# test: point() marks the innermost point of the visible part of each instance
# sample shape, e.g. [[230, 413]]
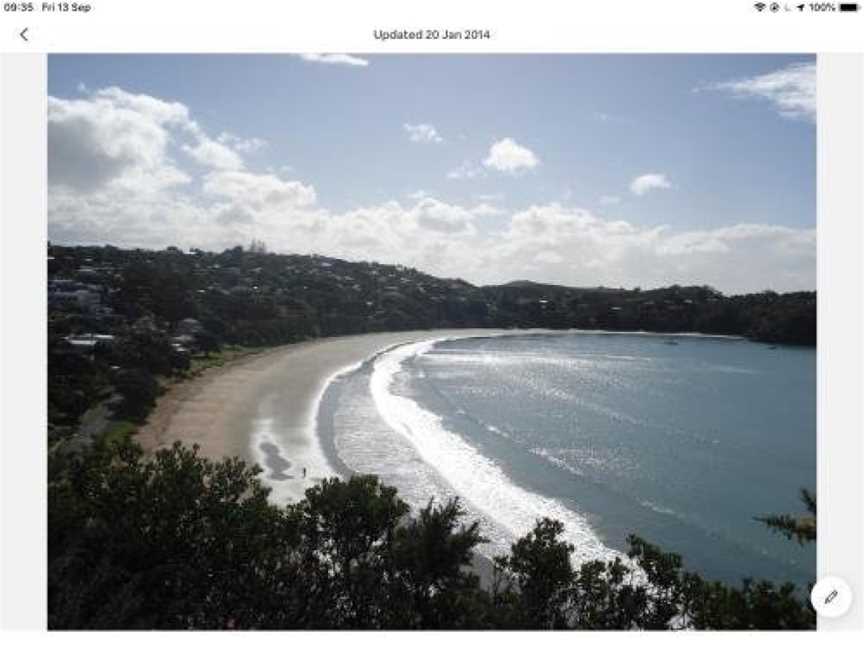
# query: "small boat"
[[672, 342]]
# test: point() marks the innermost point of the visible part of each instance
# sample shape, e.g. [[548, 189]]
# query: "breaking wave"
[[475, 477]]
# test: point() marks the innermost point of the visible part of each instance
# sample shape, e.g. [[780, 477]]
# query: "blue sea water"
[[682, 440]]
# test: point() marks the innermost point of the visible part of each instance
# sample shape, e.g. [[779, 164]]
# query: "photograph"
[[426, 341]]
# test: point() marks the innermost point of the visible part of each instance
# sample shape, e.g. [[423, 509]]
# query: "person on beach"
[[304, 472]]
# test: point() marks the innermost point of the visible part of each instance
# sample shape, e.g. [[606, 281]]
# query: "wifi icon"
[[760, 6]]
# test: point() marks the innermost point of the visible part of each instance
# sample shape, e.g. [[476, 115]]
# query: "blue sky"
[[493, 168]]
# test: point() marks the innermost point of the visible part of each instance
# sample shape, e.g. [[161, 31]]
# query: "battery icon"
[[849, 6]]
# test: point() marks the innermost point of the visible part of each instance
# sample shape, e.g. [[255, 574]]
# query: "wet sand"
[[262, 408]]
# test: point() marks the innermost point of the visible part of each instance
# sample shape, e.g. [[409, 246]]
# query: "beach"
[[602, 431], [262, 408]]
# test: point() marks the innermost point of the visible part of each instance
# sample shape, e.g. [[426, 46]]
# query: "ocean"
[[680, 439]]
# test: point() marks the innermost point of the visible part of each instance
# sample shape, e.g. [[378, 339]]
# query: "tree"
[[650, 590], [181, 542], [432, 554], [257, 247], [176, 542], [138, 391], [207, 342], [540, 571], [184, 542], [801, 528], [146, 350], [345, 528]]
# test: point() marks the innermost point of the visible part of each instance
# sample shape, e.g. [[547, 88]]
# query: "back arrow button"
[[23, 34]]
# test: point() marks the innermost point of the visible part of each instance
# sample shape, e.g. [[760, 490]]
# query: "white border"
[[23, 332], [271, 26], [840, 449]]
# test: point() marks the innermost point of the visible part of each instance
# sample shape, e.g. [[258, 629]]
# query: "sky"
[[584, 170]]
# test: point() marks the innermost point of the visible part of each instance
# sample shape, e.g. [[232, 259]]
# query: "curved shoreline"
[[262, 408], [270, 397], [510, 509]]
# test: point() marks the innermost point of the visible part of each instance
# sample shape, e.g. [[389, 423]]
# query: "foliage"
[[801, 528], [74, 383], [253, 297], [539, 569], [138, 391], [648, 591], [181, 542], [177, 542], [117, 433]]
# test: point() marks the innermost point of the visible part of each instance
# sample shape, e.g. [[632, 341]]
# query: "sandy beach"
[[262, 408]]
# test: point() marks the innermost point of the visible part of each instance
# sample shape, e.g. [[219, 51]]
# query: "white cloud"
[[649, 182], [509, 157], [258, 191], [442, 217], [112, 136], [335, 59], [546, 243], [597, 251], [422, 133], [466, 171], [485, 209], [211, 153], [242, 144], [130, 193], [160, 111], [549, 258], [792, 90]]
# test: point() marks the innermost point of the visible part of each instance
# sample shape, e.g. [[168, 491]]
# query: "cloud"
[[596, 251], [485, 209], [335, 59], [211, 153], [131, 193], [242, 144], [232, 214], [649, 182], [258, 191], [113, 137], [422, 133], [466, 171], [791, 90], [442, 217], [509, 157]]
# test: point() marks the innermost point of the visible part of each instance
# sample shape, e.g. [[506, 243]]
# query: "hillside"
[[254, 297]]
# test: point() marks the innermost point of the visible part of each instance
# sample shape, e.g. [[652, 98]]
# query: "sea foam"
[[476, 478]]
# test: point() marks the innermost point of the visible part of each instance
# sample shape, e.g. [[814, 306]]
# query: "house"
[[87, 342], [183, 343], [85, 299]]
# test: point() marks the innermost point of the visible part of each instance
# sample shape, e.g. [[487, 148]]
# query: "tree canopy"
[[178, 541]]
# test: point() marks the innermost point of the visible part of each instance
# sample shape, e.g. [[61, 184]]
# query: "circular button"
[[831, 597]]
